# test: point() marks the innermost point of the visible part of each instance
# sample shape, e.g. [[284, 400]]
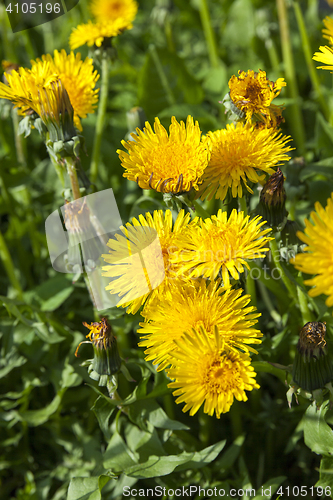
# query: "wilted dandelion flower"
[[106, 356], [222, 245], [171, 163], [78, 78], [238, 155], [193, 305], [272, 200], [252, 92], [140, 257], [205, 371], [312, 367], [318, 256], [106, 11]]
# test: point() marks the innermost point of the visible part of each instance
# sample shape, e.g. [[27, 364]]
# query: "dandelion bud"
[[312, 367], [106, 356], [272, 201]]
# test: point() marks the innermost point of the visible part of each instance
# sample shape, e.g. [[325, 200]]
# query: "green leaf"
[[158, 466], [161, 466], [118, 456], [326, 473], [54, 292], [10, 361], [103, 411], [204, 457], [148, 410], [39, 417], [87, 488], [318, 435], [270, 487], [229, 457]]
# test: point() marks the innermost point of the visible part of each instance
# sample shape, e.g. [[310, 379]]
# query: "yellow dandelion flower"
[[205, 371], [238, 154], [328, 30], [110, 10], [192, 305], [171, 163], [23, 86], [140, 257], [94, 33], [253, 93], [318, 258], [325, 56], [221, 245], [78, 78]]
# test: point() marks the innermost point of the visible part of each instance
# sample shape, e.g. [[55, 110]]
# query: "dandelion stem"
[[268, 303], [71, 169], [276, 259], [9, 266], [59, 169], [209, 34], [199, 211], [308, 59], [101, 114], [273, 55], [162, 76], [296, 118], [303, 305], [242, 205], [168, 35], [250, 283], [20, 145]]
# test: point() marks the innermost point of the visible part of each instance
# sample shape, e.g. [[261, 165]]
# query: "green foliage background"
[[61, 436]]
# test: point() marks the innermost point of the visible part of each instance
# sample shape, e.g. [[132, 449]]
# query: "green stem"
[[28, 45], [101, 114], [308, 52], [268, 303], [251, 289], [276, 259], [7, 39], [250, 282], [60, 171], [242, 205], [168, 35], [20, 145], [199, 211], [71, 169], [9, 266], [303, 305], [209, 34], [162, 76], [48, 37], [296, 118], [272, 54]]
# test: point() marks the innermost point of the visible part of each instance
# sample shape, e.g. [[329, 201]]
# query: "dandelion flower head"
[[253, 93], [77, 76], [240, 153], [317, 258], [190, 306], [107, 11], [140, 257], [205, 372], [222, 245], [167, 163]]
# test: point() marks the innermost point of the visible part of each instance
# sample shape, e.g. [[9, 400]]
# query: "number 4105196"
[[31, 8]]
